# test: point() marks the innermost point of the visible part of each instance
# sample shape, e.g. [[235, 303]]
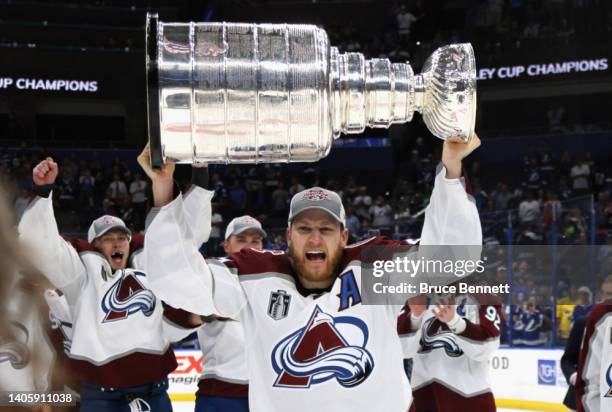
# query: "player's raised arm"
[[54, 257], [197, 200], [178, 274], [451, 218]]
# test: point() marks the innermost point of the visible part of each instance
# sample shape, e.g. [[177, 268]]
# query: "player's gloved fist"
[[165, 173], [454, 152], [45, 172]]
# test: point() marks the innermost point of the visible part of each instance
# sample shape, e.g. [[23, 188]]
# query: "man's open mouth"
[[315, 256], [117, 257]]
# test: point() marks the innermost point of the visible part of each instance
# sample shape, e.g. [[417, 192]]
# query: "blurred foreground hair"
[[20, 288]]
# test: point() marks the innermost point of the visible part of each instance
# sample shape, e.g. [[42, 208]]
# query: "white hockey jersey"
[[121, 330], [224, 367], [594, 378], [25, 361], [323, 351], [451, 371]]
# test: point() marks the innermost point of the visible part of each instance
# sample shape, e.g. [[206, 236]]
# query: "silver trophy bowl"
[[267, 93]]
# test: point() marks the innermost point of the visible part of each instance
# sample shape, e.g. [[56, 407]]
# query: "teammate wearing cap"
[[243, 232], [121, 331], [223, 385], [311, 343]]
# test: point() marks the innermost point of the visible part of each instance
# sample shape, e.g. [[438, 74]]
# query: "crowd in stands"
[[552, 191], [499, 29]]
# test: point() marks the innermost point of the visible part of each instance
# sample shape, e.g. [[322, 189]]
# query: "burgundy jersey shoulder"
[[600, 310], [374, 248], [137, 242], [80, 245], [251, 261]]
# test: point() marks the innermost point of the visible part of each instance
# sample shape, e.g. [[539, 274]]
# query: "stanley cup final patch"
[[279, 304]]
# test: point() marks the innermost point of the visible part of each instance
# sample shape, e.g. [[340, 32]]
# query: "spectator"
[[125, 211], [580, 174], [552, 209], [501, 197], [218, 187], [574, 229], [296, 186], [555, 117], [116, 189], [138, 190], [279, 243], [585, 303], [530, 320], [280, 200], [215, 238], [87, 185], [237, 196], [381, 213], [405, 20], [365, 230], [352, 222], [66, 189], [529, 209], [481, 197], [362, 203]]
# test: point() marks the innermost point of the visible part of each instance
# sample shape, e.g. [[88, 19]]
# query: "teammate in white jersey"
[[121, 330], [451, 367], [311, 343], [594, 376], [223, 384]]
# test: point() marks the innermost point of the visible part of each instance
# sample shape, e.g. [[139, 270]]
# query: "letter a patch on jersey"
[[349, 291], [326, 348], [126, 297]]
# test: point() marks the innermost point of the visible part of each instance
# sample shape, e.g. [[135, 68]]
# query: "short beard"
[[298, 263]]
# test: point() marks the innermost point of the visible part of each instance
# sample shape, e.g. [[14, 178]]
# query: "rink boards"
[[529, 379]]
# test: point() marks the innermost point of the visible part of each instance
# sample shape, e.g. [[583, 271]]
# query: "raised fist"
[[45, 172]]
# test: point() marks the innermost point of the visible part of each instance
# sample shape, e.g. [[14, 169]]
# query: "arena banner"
[[545, 69], [521, 378], [58, 84], [525, 378], [184, 380]]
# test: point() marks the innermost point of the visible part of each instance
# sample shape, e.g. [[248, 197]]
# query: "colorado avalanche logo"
[[434, 337], [320, 352], [16, 352], [609, 382], [126, 297]]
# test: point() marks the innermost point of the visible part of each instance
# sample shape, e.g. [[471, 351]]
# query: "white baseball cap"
[[317, 198], [103, 224], [242, 223]]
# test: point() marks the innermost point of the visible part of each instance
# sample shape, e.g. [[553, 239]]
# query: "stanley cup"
[[255, 93]]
